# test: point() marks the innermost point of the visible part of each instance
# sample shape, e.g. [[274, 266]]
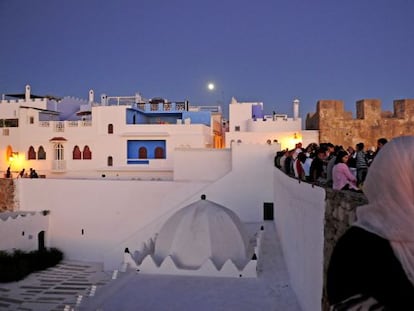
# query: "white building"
[[249, 124], [118, 137]]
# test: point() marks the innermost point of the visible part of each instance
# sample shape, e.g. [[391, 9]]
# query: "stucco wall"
[[19, 230], [309, 221], [206, 164], [299, 210], [91, 217]]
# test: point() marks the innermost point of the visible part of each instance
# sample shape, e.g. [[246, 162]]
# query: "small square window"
[[237, 128]]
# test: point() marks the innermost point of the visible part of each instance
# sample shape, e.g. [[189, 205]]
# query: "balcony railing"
[[59, 166]]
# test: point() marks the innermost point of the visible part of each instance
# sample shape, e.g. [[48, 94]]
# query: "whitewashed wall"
[[20, 230], [248, 185], [299, 216], [125, 212], [108, 212], [201, 164]]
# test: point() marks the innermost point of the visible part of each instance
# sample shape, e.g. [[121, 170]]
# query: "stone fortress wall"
[[7, 195], [337, 126], [340, 213]]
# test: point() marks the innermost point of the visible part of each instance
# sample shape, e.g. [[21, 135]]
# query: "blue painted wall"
[[134, 145], [198, 117]]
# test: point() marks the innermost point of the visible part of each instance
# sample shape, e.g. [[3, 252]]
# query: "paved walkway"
[[56, 289], [270, 291], [83, 286]]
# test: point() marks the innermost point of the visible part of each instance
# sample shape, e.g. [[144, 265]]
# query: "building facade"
[[120, 136]]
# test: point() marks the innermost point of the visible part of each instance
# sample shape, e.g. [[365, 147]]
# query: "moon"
[[211, 86]]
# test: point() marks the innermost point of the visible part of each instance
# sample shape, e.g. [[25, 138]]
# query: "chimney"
[[91, 96], [295, 109], [27, 93], [103, 99]]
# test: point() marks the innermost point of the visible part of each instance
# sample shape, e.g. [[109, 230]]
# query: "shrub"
[[17, 265]]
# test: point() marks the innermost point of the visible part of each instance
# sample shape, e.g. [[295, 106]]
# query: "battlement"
[[338, 126]]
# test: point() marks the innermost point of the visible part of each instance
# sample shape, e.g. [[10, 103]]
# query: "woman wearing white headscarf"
[[373, 262]]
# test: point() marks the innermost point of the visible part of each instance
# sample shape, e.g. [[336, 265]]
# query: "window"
[[159, 153], [237, 128], [76, 153], [59, 152], [31, 154], [41, 154], [110, 161], [87, 154], [110, 128], [31, 120], [142, 153]]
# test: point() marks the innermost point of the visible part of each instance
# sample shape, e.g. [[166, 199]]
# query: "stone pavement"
[[60, 288]]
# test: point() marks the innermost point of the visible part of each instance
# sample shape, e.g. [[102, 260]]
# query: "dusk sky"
[[268, 51]]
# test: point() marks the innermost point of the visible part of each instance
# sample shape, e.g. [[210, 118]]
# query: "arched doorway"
[[41, 241]]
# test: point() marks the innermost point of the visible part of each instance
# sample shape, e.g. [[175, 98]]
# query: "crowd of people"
[[329, 165], [372, 264]]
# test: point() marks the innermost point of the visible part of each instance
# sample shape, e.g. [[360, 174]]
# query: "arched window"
[[41, 154], [31, 155], [87, 154], [110, 128], [110, 161], [59, 152], [76, 153], [159, 153], [142, 153]]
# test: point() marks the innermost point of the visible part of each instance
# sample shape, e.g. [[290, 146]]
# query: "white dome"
[[200, 231]]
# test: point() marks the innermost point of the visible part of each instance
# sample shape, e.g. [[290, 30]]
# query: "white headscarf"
[[389, 187]]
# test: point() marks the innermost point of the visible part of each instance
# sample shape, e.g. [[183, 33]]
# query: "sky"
[[270, 51]]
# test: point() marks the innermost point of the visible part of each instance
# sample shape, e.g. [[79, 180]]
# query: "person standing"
[[361, 164]]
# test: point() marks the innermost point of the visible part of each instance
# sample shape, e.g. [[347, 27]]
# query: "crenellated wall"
[[337, 126]]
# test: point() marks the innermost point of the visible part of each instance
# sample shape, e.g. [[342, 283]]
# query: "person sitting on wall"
[[342, 177], [317, 171], [33, 173], [373, 262], [8, 173], [21, 174]]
